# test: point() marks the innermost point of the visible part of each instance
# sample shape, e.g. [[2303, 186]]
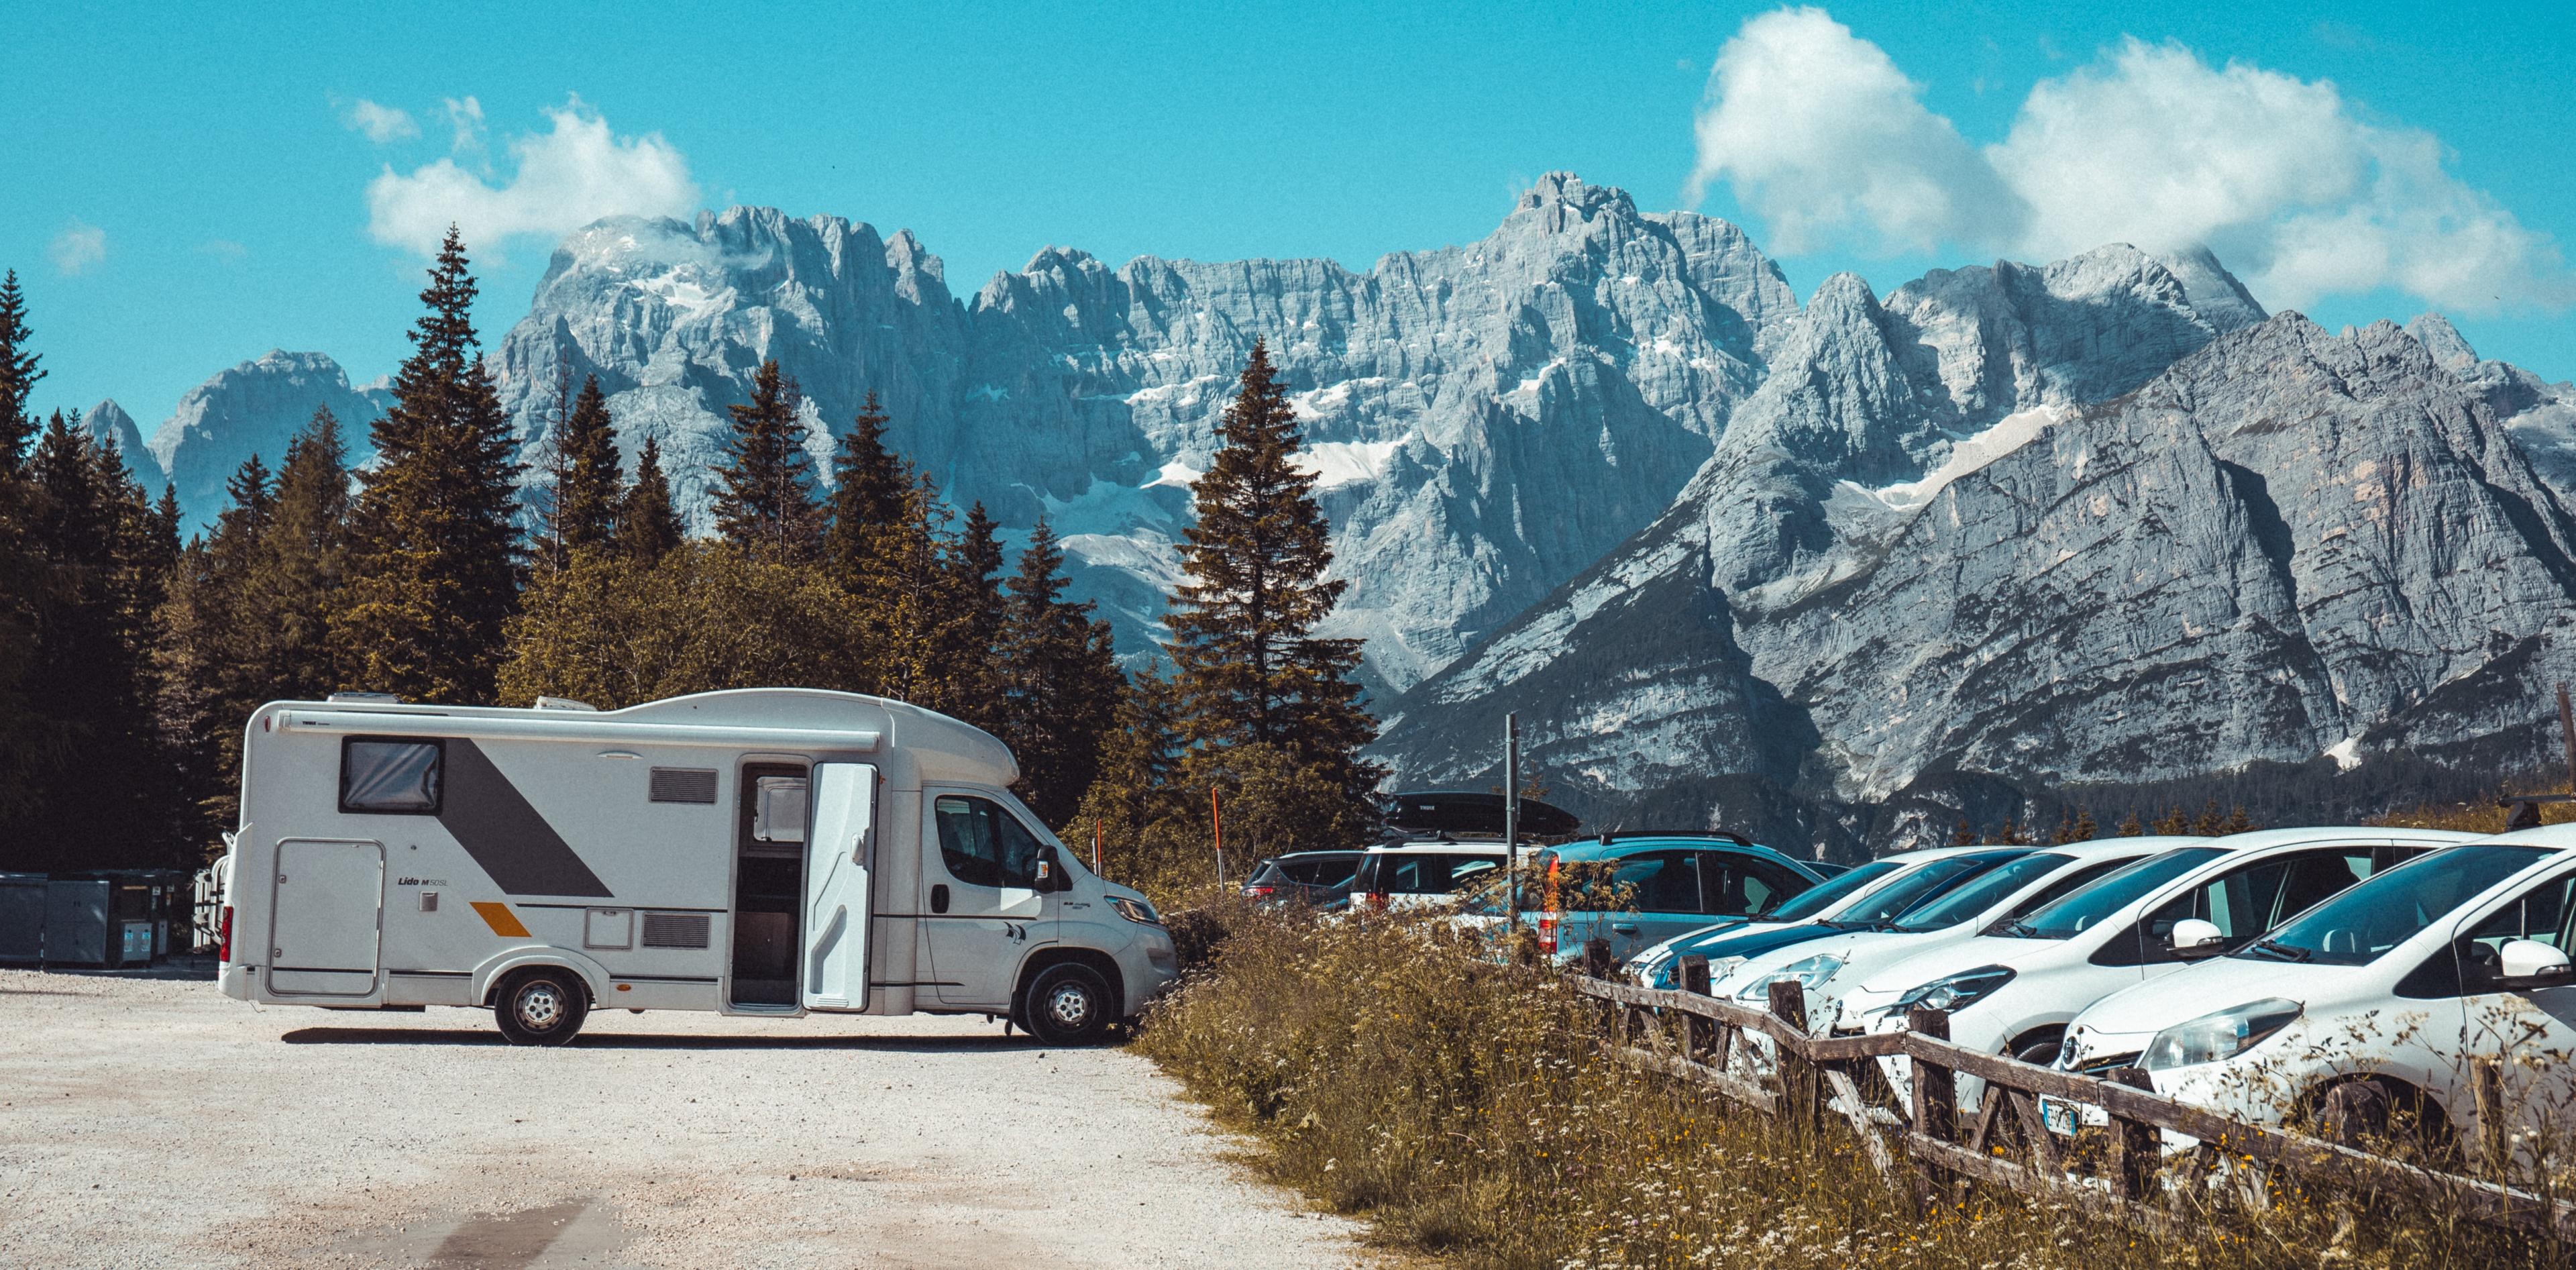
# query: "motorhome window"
[[778, 812], [983, 845], [386, 776]]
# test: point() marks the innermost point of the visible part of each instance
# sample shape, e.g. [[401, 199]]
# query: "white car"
[[1398, 876], [2014, 989], [2375, 1002], [1830, 900], [1828, 967]]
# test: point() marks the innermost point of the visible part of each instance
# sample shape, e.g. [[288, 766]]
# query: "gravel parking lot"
[[153, 1122]]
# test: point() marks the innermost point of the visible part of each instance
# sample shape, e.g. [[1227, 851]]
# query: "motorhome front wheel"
[[1068, 1005], [540, 1007]]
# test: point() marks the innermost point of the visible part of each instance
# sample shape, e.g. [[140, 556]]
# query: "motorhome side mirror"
[[2194, 938], [2529, 963]]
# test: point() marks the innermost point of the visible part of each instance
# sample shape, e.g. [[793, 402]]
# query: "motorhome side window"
[[391, 775], [983, 845]]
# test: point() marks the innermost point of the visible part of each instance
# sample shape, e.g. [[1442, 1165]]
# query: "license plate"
[[2060, 1117]]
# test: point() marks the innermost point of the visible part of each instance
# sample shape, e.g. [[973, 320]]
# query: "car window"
[[1658, 882], [1318, 872], [2539, 914], [1743, 885], [2243, 902], [2070, 882], [1426, 873], [1930, 878], [1979, 893], [2085, 909], [983, 845], [1267, 871]]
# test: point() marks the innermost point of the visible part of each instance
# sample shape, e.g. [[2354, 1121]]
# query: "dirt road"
[[153, 1122]]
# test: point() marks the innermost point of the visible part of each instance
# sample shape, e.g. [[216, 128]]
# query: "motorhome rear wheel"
[[544, 1006]]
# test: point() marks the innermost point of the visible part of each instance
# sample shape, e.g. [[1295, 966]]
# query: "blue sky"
[[185, 190]]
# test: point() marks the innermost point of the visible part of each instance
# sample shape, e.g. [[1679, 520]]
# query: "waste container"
[[76, 923], [22, 919]]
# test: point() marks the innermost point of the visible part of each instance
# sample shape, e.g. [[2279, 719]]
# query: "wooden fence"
[[2119, 1173]]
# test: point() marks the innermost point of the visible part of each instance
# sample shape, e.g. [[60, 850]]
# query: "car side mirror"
[[2529, 963], [2193, 939]]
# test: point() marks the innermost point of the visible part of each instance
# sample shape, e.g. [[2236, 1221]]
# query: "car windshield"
[[2354, 928], [1973, 897], [1267, 872], [1930, 878], [1833, 890], [2085, 909]]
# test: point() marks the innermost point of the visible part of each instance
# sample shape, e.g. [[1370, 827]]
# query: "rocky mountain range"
[[1814, 569]]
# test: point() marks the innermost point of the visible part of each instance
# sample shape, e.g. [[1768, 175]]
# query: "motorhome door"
[[329, 903], [840, 852]]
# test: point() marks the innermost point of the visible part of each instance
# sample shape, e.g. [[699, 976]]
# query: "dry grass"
[[2478, 817], [1463, 1109]]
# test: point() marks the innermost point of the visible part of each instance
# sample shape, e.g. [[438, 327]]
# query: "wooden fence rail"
[[1692, 1036]]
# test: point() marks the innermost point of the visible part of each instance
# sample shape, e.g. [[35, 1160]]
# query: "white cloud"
[[1822, 136], [79, 246], [568, 176], [381, 124], [465, 121], [2148, 144]]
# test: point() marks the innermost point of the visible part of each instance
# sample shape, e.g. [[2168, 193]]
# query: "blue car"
[[1661, 885]]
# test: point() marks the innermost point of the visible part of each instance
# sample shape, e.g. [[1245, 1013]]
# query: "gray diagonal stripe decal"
[[489, 818]]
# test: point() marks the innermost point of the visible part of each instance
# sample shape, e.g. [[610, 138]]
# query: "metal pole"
[[1512, 817], [2567, 733]]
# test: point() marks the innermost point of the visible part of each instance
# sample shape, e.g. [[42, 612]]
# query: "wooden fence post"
[[1699, 1035], [2136, 1143], [1802, 1104], [1936, 1098]]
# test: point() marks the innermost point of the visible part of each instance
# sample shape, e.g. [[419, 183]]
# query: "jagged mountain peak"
[[1562, 198], [2443, 341], [106, 424]]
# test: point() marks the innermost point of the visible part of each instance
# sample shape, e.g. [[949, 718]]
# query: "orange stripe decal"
[[503, 922]]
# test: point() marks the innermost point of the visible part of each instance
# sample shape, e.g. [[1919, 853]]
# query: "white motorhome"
[[768, 851]]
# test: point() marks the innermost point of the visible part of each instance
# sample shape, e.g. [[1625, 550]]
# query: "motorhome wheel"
[[544, 1006], [1068, 1005]]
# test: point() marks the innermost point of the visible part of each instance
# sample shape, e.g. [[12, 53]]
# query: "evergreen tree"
[[2129, 825], [1963, 836], [1152, 831], [973, 633], [18, 375], [648, 526], [766, 503], [1059, 680], [300, 563], [871, 494], [908, 619], [1250, 667], [434, 555], [582, 510]]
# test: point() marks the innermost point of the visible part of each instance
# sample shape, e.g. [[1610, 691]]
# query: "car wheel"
[[2357, 1113], [543, 1006], [1068, 1005], [2039, 1051]]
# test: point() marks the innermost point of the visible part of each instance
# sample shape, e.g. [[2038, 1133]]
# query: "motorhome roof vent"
[[684, 785], [675, 930], [369, 698], [565, 703]]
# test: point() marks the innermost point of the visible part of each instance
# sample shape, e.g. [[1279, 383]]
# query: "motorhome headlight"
[[1808, 973], [1955, 992], [2225, 1034], [1135, 910]]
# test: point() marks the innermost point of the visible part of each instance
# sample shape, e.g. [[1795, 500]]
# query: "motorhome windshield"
[[1973, 897], [1834, 890], [2085, 909], [2354, 928]]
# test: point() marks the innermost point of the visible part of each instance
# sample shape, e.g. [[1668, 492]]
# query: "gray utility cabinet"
[[22, 919], [83, 926]]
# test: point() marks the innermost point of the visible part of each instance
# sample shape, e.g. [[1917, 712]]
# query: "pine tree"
[[2086, 829], [582, 511], [2129, 826], [648, 526], [1060, 686], [1250, 667], [1153, 831], [1963, 836], [766, 501], [18, 375], [2173, 823], [2237, 822], [434, 558], [871, 493], [301, 563], [973, 633], [2209, 822]]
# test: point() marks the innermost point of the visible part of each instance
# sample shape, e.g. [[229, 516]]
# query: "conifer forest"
[[468, 565]]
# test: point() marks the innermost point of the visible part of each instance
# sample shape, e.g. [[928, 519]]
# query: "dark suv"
[[1316, 879]]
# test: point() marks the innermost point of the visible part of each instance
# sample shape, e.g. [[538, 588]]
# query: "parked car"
[[1414, 875], [2008, 890], [2014, 988], [1653, 965], [1878, 910], [1637, 889], [1316, 879], [2373, 1004]]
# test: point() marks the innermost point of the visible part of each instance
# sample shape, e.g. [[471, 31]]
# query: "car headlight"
[[1955, 992], [1809, 973], [2225, 1034], [1135, 910]]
